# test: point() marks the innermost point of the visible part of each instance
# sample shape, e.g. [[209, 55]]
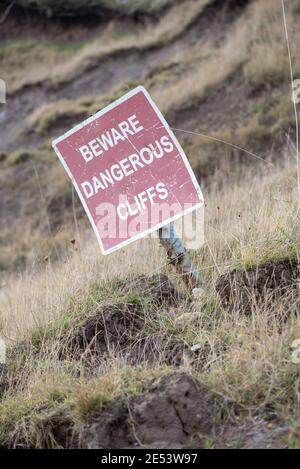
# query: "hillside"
[[115, 351]]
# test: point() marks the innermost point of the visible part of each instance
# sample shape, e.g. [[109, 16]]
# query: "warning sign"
[[130, 172]]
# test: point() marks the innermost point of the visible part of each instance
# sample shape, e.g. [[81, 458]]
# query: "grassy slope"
[[250, 219], [247, 360], [192, 76], [66, 64], [80, 7]]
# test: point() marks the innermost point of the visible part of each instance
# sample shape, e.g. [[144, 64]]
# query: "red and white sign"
[[130, 172]]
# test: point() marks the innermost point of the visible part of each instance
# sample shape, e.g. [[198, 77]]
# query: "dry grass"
[[42, 301], [62, 393], [267, 48], [43, 119], [246, 360], [174, 23], [71, 8], [250, 219], [35, 63], [256, 42], [241, 52], [29, 62]]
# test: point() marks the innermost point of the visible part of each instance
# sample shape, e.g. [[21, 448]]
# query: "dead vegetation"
[[95, 331], [173, 24], [171, 414], [73, 8], [244, 289], [113, 351]]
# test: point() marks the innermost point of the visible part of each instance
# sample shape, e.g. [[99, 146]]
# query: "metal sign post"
[[178, 256]]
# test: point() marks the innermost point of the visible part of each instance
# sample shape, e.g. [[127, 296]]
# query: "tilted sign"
[[130, 172]]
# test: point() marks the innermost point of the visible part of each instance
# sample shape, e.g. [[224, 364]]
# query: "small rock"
[[198, 293], [196, 347]]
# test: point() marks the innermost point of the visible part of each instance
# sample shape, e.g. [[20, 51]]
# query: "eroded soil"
[[176, 413], [243, 290], [130, 330], [103, 75]]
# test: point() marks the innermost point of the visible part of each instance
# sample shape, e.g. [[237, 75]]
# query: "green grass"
[[246, 361], [19, 157], [284, 246], [59, 393], [64, 47], [29, 45]]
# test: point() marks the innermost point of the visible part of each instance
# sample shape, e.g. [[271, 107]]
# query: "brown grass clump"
[[30, 63], [98, 339]]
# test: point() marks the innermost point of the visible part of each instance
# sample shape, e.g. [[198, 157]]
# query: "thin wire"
[[237, 147], [45, 209], [294, 101], [7, 12], [213, 258], [75, 217]]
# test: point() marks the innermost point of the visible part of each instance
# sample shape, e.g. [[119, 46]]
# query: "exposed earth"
[[117, 352]]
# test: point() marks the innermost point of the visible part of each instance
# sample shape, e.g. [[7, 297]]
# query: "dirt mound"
[[130, 330], [176, 413], [243, 289], [111, 331], [121, 331], [158, 286], [53, 430]]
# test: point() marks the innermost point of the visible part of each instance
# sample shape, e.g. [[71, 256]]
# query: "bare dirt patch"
[[130, 330], [243, 289], [210, 113], [114, 330], [176, 413], [173, 412], [104, 74], [158, 286]]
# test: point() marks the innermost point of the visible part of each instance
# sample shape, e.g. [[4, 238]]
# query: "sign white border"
[[176, 143]]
